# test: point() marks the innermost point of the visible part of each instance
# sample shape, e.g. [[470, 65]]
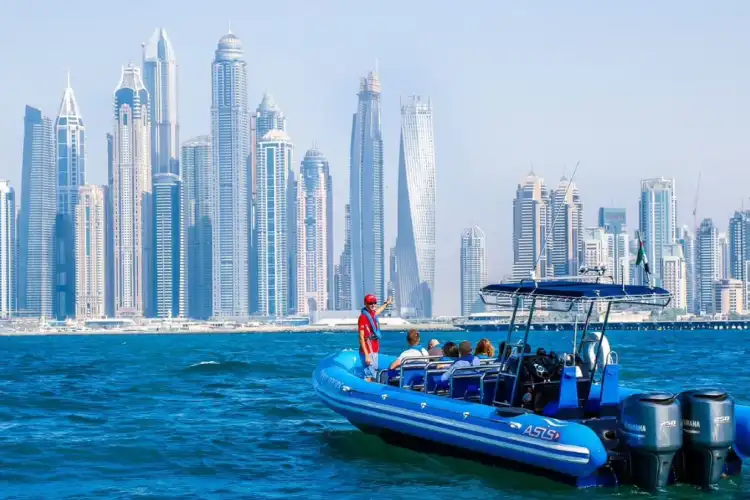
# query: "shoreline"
[[426, 327]]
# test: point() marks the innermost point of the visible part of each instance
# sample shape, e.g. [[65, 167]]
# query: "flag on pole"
[[642, 259]]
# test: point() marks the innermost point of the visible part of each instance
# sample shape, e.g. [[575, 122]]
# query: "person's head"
[[433, 343], [371, 302], [450, 349], [412, 337], [464, 348], [484, 347]]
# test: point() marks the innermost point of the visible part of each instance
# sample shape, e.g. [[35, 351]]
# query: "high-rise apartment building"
[[36, 220], [275, 156], [7, 250], [473, 270], [71, 175], [90, 253], [132, 198], [658, 220], [230, 135], [707, 260], [314, 235], [197, 176], [530, 219], [160, 79], [366, 194]]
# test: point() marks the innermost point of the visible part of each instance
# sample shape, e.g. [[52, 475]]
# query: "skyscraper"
[[739, 244], [314, 235], [7, 250], [473, 270], [675, 275], [658, 220], [415, 243], [268, 116], [274, 165], [344, 299], [198, 186], [36, 220], [595, 249], [707, 243], [109, 232], [160, 79], [90, 253], [565, 216], [366, 194], [530, 219], [171, 246], [230, 129], [614, 220], [687, 241], [724, 257], [132, 197], [71, 174]]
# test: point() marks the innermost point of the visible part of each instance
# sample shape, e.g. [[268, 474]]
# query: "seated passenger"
[[466, 360], [434, 349], [414, 351], [450, 351], [484, 349]]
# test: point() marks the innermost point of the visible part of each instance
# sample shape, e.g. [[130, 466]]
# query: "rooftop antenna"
[[68, 77], [229, 27], [554, 221]]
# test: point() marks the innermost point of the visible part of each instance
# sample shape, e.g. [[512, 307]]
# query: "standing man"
[[369, 335]]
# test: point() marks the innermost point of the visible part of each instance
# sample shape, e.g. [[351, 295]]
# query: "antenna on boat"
[[554, 221]]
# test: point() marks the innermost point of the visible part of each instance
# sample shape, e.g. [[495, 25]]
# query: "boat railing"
[[461, 380], [415, 364]]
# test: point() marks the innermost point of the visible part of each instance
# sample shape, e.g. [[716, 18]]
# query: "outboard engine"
[[708, 430], [650, 426]]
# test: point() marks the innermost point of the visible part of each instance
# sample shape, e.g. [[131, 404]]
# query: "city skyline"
[[675, 155]]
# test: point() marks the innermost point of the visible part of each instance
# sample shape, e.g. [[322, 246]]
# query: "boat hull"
[[559, 447], [563, 450]]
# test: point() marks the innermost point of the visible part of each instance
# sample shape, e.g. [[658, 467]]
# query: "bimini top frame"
[[571, 291]]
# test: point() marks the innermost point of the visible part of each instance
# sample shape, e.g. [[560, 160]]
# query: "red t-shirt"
[[364, 324]]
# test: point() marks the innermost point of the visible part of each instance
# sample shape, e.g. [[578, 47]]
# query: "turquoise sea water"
[[234, 416]]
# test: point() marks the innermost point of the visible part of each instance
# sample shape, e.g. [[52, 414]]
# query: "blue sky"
[[630, 89]]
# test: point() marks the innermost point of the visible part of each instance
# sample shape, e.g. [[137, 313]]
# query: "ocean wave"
[[219, 367]]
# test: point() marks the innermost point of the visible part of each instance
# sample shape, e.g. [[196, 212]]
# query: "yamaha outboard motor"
[[650, 426], [708, 430]]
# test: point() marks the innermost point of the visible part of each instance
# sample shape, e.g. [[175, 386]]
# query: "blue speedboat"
[[564, 416]]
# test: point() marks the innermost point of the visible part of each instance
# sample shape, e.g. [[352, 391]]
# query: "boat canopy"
[[575, 291]]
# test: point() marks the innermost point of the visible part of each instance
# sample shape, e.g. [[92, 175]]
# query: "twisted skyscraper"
[[230, 134], [415, 243], [366, 194]]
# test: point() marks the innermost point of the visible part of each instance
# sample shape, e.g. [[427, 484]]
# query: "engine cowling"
[[650, 426], [709, 429]]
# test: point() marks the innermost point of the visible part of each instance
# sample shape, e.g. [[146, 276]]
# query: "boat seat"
[[412, 375], [610, 395], [432, 382], [568, 405], [487, 387], [465, 384]]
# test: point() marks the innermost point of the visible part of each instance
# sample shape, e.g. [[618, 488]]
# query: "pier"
[[629, 325]]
